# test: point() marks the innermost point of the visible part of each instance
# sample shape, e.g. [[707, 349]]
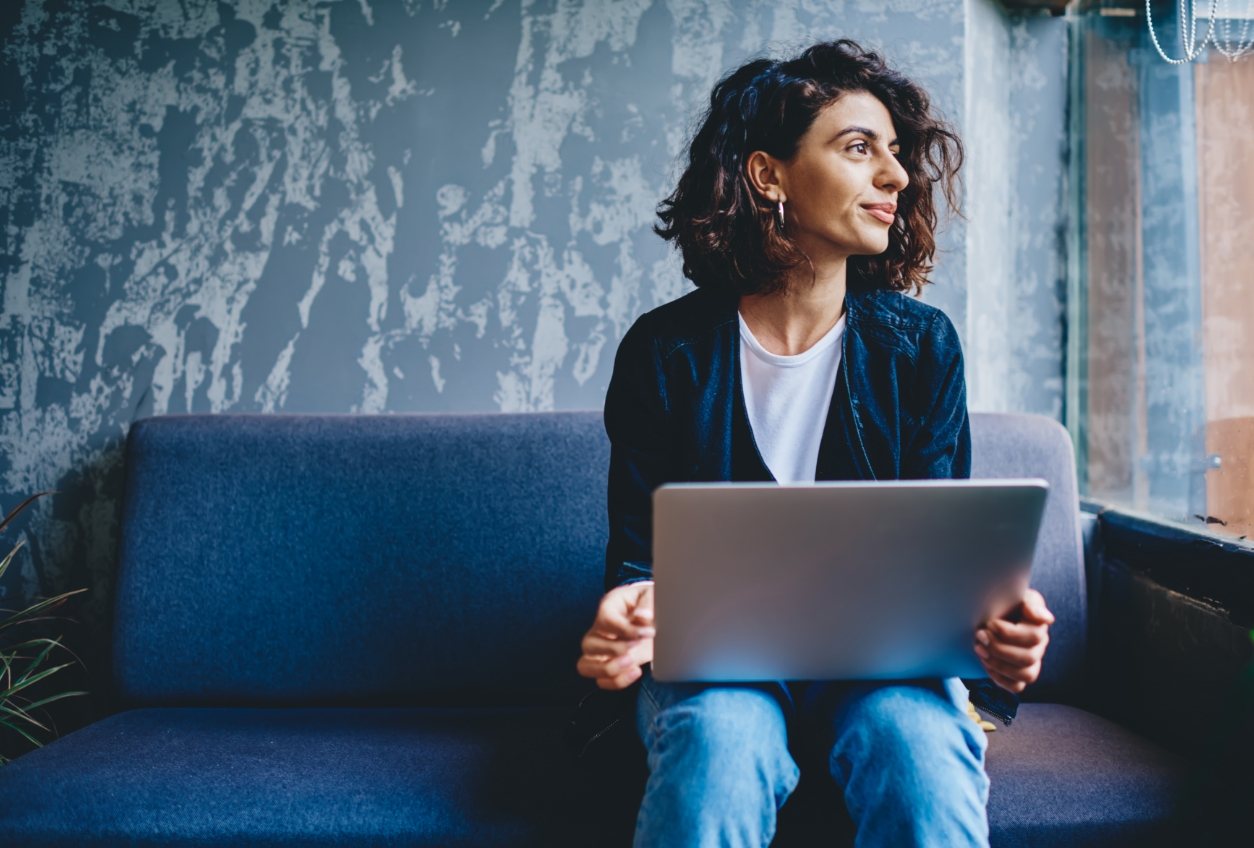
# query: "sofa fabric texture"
[[343, 630], [294, 777], [1063, 776], [285, 559], [1009, 446], [462, 777]]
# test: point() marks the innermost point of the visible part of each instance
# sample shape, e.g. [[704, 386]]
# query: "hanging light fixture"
[[1242, 44], [1193, 48]]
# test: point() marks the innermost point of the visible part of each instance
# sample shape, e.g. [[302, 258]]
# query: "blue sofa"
[[361, 630]]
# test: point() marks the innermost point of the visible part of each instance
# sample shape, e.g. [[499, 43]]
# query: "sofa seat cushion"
[[295, 777], [1060, 776]]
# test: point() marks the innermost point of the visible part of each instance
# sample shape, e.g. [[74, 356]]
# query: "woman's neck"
[[792, 321]]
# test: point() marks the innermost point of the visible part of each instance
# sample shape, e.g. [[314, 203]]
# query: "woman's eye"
[[858, 147]]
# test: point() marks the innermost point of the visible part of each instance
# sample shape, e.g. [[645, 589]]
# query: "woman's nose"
[[893, 176]]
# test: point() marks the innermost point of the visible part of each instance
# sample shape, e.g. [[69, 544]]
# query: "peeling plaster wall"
[[1038, 213], [989, 248], [1015, 131], [354, 206]]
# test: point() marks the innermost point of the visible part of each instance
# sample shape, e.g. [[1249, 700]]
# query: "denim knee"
[[914, 726], [719, 765], [731, 731], [911, 765]]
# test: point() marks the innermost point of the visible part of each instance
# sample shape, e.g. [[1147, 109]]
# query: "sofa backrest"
[[1005, 445], [422, 558], [371, 559]]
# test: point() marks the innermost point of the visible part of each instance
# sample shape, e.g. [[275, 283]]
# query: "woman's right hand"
[[621, 638]]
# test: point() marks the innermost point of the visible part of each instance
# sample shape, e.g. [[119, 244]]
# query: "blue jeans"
[[906, 756]]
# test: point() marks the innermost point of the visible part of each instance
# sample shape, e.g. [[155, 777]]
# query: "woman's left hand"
[[1012, 650]]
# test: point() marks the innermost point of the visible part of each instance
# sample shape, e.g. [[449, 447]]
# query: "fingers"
[[608, 657], [621, 638], [1014, 680], [622, 681], [613, 622], [611, 627], [616, 661], [596, 645], [1019, 633], [642, 616], [1008, 674], [1034, 609], [626, 612], [1012, 655], [643, 606], [642, 611], [610, 675], [606, 666], [1013, 643], [1012, 664], [1004, 682], [1025, 671], [616, 670]]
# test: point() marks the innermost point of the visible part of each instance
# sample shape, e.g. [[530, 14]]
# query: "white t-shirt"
[[787, 398]]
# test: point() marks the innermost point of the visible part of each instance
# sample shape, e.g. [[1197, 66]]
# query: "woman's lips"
[[882, 211]]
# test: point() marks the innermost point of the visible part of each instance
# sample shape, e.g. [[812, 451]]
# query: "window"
[[1161, 345]]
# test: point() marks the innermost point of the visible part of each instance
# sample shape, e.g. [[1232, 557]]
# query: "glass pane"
[[1163, 409]]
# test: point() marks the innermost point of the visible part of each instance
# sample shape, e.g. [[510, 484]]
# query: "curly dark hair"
[[726, 230]]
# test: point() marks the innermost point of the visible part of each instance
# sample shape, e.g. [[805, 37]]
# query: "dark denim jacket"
[[675, 412]]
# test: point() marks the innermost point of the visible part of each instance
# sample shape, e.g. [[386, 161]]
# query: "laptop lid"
[[827, 581]]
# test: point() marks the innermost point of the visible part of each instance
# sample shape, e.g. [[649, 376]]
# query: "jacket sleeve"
[[941, 445], [637, 420]]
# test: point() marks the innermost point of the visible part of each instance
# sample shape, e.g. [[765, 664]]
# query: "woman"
[[805, 218]]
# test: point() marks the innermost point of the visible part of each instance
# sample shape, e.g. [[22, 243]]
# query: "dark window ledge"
[[1213, 569]]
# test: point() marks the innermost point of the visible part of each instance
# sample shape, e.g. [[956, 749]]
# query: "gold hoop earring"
[[780, 216]]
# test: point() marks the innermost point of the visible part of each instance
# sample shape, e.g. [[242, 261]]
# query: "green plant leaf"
[[8, 559], [30, 681], [10, 654], [37, 704], [29, 614], [11, 650], [22, 506], [38, 659], [14, 727], [20, 712], [5, 523], [57, 642], [14, 712]]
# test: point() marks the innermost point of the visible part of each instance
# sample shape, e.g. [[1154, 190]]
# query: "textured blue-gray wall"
[[388, 206], [1015, 130]]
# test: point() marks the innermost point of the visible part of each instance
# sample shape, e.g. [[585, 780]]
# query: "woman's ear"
[[762, 169]]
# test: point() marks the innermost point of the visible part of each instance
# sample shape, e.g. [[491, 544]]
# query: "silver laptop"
[[831, 581]]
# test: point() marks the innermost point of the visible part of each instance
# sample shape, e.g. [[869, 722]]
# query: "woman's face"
[[840, 189]]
